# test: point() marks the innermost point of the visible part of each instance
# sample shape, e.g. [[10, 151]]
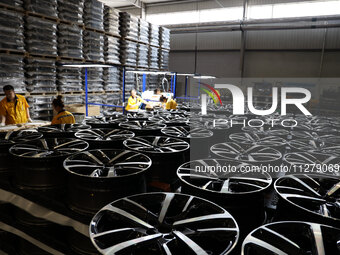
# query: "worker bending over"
[[168, 104], [134, 101], [13, 108], [63, 116]]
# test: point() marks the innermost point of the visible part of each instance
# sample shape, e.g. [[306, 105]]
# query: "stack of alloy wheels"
[[199, 139], [97, 177], [7, 140], [166, 153]]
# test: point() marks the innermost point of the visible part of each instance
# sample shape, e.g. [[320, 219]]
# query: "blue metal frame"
[[86, 94], [174, 85], [144, 82]]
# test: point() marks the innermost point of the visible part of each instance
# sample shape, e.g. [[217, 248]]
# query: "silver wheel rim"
[[168, 222], [104, 135], [257, 139], [187, 132], [142, 125]]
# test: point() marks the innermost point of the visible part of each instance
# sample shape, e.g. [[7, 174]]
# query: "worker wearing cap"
[[134, 101], [13, 108]]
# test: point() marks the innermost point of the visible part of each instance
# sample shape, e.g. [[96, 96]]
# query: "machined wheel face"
[[142, 125], [315, 146], [314, 194], [23, 136], [71, 128], [105, 120], [257, 139], [292, 238], [104, 134], [107, 163], [49, 148], [223, 177], [163, 223], [308, 162], [187, 132], [246, 153], [158, 144]]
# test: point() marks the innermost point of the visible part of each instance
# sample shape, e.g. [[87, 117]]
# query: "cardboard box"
[[94, 110]]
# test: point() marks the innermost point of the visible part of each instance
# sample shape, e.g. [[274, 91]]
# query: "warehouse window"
[[211, 15], [288, 10]]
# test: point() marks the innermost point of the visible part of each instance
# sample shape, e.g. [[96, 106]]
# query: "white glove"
[[29, 120], [2, 124]]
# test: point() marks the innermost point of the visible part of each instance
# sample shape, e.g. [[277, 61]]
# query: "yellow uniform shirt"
[[133, 103], [171, 105], [15, 111], [63, 117]]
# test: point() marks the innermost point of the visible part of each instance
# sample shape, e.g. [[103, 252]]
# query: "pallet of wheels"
[[93, 46], [13, 3], [41, 107], [94, 14], [73, 99], [154, 35], [112, 99], [164, 38], [95, 79], [70, 41], [163, 60], [128, 26], [111, 76], [41, 36], [69, 79], [153, 58], [111, 50], [142, 55], [11, 30], [71, 11], [40, 75], [44, 7], [12, 72], [111, 20], [143, 31], [130, 83], [164, 223], [154, 82], [128, 53]]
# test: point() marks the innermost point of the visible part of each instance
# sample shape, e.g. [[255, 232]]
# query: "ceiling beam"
[[137, 3]]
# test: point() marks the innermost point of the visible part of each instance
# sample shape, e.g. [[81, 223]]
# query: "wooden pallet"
[[61, 21], [113, 35], [12, 52], [42, 16], [42, 56], [70, 93], [47, 93], [63, 58]]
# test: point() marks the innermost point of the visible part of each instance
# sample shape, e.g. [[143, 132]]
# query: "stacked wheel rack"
[[69, 18]]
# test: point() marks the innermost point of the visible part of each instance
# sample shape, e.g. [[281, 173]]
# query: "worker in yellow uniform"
[[168, 104], [134, 101], [13, 108], [63, 116]]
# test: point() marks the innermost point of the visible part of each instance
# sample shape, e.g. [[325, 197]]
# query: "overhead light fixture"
[[85, 65], [204, 77], [148, 72]]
